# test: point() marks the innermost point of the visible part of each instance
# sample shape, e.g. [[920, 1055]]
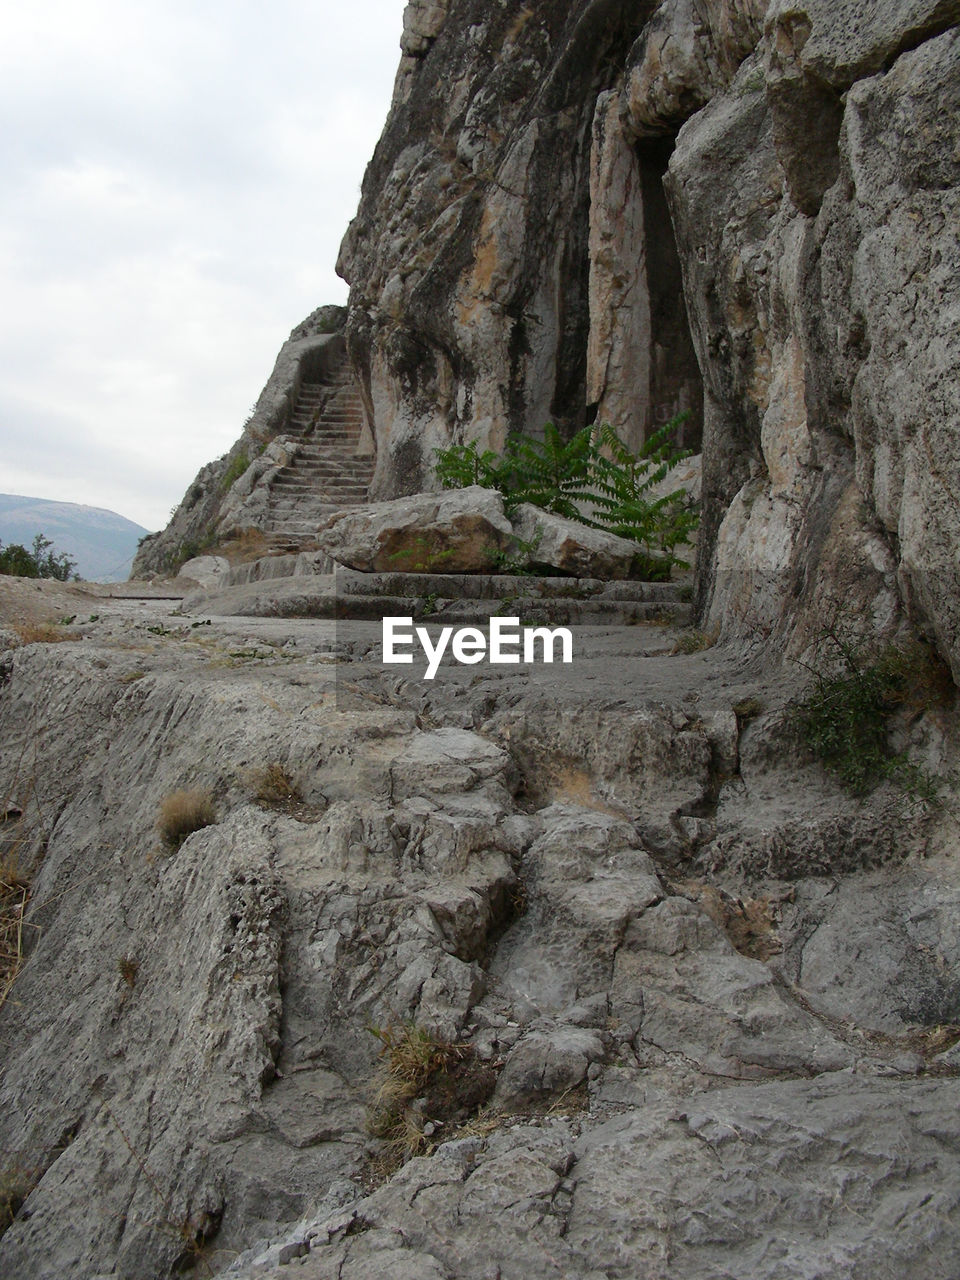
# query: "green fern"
[[593, 469], [548, 473], [621, 482], [463, 465]]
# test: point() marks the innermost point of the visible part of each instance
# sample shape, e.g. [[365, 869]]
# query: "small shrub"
[[846, 718], [128, 968], [593, 468], [273, 785], [694, 641], [463, 465], [184, 812], [447, 1081], [748, 709], [238, 465]]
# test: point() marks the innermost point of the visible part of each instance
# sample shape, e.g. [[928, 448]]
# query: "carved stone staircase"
[[327, 473]]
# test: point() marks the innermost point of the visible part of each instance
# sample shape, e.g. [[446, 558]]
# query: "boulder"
[[457, 531], [553, 542], [207, 571]]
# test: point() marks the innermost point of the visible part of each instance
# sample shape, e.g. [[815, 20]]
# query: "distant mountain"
[[101, 542]]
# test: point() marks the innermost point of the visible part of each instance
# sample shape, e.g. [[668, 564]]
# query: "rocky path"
[[712, 996]]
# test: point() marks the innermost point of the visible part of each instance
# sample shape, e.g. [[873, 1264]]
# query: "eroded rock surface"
[[713, 993]]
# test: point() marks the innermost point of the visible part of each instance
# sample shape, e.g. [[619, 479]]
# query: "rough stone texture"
[[468, 260], [810, 264], [793, 1176], [207, 571], [451, 532], [624, 892], [688, 52], [556, 543], [814, 237], [517, 857], [619, 344]]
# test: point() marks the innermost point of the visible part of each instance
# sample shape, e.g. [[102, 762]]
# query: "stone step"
[[500, 586], [331, 466], [339, 468], [326, 474], [542, 611], [333, 448], [336, 458], [311, 471], [308, 484]]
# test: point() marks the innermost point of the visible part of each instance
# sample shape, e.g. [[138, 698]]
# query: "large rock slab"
[[552, 542], [801, 1178], [455, 531]]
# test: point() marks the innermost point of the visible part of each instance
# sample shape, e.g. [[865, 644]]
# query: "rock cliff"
[[619, 210]]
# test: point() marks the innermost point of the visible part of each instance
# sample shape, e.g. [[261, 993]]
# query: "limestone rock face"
[[739, 208], [469, 259]]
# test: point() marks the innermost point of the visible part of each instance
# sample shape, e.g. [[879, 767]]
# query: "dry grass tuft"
[[422, 1086], [247, 545], [274, 785], [43, 633], [692, 640], [16, 1183], [14, 893], [184, 812], [128, 967]]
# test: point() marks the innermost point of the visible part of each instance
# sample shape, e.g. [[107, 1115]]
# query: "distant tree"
[[41, 562]]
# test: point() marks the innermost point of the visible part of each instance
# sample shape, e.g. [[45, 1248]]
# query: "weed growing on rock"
[[422, 1085], [273, 784], [694, 641], [847, 718], [184, 812], [128, 967], [16, 1183], [235, 470], [747, 709], [14, 893], [424, 554]]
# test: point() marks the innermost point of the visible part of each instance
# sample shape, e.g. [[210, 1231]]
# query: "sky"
[[176, 178]]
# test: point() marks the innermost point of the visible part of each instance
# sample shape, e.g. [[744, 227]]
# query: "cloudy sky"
[[177, 176]]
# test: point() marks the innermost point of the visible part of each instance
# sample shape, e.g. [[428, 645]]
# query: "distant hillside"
[[101, 542]]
